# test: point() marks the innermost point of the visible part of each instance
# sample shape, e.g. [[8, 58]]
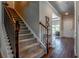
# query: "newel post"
[[17, 25], [47, 25]]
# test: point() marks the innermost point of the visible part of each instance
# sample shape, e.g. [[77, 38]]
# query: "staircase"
[[29, 47]]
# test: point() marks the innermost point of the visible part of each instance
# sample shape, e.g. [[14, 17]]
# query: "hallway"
[[64, 48]]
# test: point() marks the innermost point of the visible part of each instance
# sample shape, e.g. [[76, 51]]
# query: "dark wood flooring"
[[63, 48], [0, 55]]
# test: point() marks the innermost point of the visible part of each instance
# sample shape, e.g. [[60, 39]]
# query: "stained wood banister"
[[42, 25], [15, 29], [9, 16]]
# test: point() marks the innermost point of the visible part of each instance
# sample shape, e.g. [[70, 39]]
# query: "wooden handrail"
[[10, 16], [15, 22], [42, 25]]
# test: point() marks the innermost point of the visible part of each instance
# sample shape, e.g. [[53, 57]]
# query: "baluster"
[[44, 35]]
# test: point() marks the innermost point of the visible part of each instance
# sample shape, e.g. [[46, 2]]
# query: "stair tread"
[[24, 30], [21, 34], [33, 54], [23, 27], [29, 46], [20, 41]]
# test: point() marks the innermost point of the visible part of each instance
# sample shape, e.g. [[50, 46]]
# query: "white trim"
[[75, 31]]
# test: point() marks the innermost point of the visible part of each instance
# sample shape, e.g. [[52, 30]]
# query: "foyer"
[[37, 29]]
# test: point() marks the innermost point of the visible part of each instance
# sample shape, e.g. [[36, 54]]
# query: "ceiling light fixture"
[[59, 1], [66, 13]]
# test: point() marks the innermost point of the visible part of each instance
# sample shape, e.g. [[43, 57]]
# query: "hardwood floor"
[[0, 55], [63, 48]]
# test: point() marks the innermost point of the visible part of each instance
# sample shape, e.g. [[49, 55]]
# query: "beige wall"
[[68, 26], [20, 6]]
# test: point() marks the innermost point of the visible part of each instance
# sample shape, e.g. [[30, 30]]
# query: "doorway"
[[55, 26]]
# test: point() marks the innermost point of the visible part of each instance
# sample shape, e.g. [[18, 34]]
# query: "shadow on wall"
[[30, 12], [22, 5]]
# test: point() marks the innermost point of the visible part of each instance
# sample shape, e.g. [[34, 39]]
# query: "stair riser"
[[24, 31], [21, 27], [26, 43], [21, 22], [26, 37], [28, 34]]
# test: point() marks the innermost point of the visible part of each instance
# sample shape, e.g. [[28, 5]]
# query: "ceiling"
[[63, 6]]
